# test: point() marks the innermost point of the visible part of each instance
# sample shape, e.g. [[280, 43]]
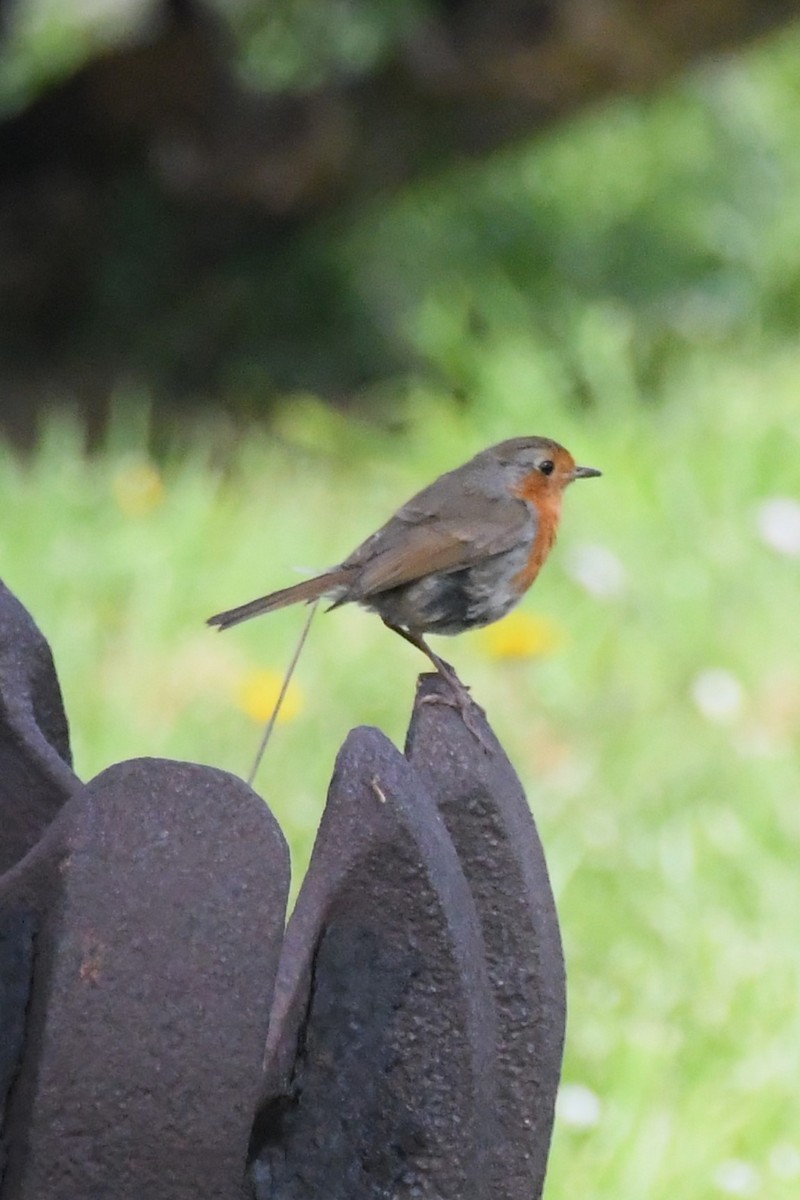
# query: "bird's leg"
[[461, 697], [445, 670]]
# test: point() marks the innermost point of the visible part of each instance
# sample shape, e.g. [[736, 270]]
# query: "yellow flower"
[[258, 693], [521, 635], [138, 489]]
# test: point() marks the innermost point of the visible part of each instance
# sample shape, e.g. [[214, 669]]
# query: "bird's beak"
[[585, 472]]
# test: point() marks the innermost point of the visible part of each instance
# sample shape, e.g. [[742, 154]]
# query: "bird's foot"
[[460, 698]]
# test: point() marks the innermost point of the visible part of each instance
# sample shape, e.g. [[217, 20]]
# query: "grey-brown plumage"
[[458, 555]]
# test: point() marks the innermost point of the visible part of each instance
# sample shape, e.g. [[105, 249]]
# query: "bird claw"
[[461, 699]]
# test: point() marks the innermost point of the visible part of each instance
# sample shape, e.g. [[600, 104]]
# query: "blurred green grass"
[[671, 822]]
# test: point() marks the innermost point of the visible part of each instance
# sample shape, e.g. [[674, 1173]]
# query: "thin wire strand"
[[282, 695]]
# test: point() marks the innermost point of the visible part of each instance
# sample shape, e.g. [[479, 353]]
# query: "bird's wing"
[[416, 542]]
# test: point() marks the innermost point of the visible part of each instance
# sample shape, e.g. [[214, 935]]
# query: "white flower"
[[578, 1106], [597, 569], [778, 522], [737, 1178], [718, 694], [784, 1161]]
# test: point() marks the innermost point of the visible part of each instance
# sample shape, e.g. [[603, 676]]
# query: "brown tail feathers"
[[308, 590]]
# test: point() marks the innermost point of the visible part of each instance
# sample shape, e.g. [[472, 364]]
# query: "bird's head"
[[538, 466]]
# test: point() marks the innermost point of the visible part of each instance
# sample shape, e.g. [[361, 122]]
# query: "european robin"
[[457, 556]]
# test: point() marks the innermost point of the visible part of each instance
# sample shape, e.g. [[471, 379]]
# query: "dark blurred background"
[[204, 203]]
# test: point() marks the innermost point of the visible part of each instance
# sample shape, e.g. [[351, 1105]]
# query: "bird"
[[457, 556]]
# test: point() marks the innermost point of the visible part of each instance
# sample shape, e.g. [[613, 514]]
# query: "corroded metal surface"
[[380, 1057], [35, 761], [161, 1037], [156, 954], [487, 816]]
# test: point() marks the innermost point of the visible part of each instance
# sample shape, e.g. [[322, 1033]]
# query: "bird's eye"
[[547, 467]]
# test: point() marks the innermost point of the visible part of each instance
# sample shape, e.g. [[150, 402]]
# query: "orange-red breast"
[[457, 556]]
